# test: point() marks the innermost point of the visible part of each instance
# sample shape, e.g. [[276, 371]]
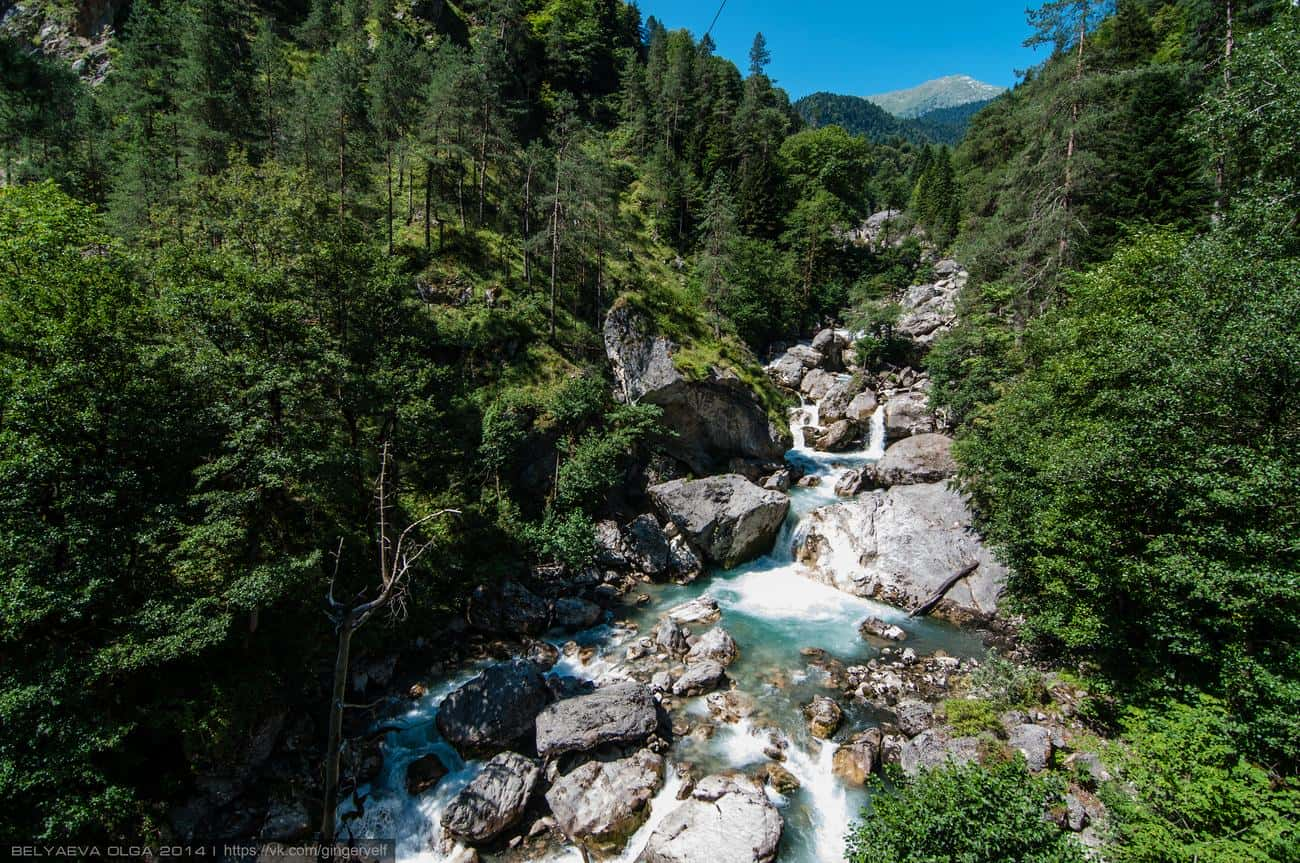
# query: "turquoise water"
[[773, 611]]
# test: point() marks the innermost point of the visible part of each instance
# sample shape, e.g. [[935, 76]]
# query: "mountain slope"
[[859, 116], [947, 92]]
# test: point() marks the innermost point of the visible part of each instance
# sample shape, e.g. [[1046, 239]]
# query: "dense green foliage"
[[965, 814], [861, 116], [1130, 432], [1194, 797], [281, 237]]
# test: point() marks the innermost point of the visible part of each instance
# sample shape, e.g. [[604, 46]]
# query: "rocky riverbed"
[[721, 686]]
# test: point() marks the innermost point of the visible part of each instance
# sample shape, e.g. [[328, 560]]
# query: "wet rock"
[[510, 608], [913, 716], [647, 546], [730, 706], [906, 541], [824, 717], [424, 773], [566, 686], [815, 383], [856, 760], [671, 637], [683, 563], [495, 709], [781, 779], [874, 627], [601, 803], [622, 713], [812, 480], [908, 413], [861, 407], [728, 518], [921, 458], [789, 369], [661, 682], [837, 437], [702, 609], [572, 612], [779, 481], [494, 800], [933, 748], [715, 417], [699, 678], [852, 482], [726, 820], [717, 645], [1034, 742], [542, 654], [834, 406]]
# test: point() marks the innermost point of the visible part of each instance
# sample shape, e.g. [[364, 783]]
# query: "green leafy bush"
[[970, 717], [1189, 796], [1140, 476], [966, 813]]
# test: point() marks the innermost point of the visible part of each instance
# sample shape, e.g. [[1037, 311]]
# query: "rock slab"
[[495, 709], [494, 800], [727, 518], [727, 819], [622, 713]]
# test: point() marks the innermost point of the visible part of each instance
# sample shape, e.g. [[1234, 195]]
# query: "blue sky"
[[867, 46]]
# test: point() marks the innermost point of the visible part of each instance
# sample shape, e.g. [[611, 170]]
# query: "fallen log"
[[933, 599]]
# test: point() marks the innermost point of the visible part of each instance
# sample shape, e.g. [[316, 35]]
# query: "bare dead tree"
[[396, 558]]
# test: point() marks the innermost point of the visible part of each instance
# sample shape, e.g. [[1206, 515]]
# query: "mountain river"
[[773, 611]]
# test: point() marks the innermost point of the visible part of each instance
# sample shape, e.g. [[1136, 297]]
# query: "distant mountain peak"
[[946, 92]]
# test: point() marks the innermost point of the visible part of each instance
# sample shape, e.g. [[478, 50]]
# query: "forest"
[[284, 247]]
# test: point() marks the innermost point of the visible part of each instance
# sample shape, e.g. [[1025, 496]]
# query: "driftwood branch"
[[933, 599]]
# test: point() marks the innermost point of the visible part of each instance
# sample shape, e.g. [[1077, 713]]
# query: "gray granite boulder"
[[727, 518], [622, 713]]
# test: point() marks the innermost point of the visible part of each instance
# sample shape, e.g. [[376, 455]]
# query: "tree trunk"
[[1068, 188], [334, 746], [933, 599], [343, 120], [388, 163], [528, 204], [1219, 163], [555, 241], [428, 195]]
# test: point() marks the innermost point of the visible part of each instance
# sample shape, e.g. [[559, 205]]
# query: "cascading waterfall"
[[772, 610]]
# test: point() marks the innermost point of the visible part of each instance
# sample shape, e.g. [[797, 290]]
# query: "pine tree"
[[759, 56], [213, 82]]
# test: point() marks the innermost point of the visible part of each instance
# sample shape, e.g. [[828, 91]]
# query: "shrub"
[[970, 717], [966, 813], [1193, 796]]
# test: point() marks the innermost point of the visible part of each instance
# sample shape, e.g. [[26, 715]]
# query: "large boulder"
[[816, 383], [727, 819], [714, 419], [716, 644], [493, 800], [671, 637], [837, 437], [424, 773], [622, 713], [824, 717], [920, 458], [599, 804], [727, 518], [908, 413], [861, 407], [574, 612], [934, 748], [856, 760], [699, 678], [647, 546], [1034, 742], [900, 546], [495, 709], [510, 609], [834, 406], [830, 343]]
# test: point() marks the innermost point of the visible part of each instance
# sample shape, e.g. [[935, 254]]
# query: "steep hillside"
[[859, 116]]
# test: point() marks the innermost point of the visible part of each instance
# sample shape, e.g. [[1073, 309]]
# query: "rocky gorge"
[[741, 659]]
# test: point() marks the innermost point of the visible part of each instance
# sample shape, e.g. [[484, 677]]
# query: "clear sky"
[[861, 47]]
